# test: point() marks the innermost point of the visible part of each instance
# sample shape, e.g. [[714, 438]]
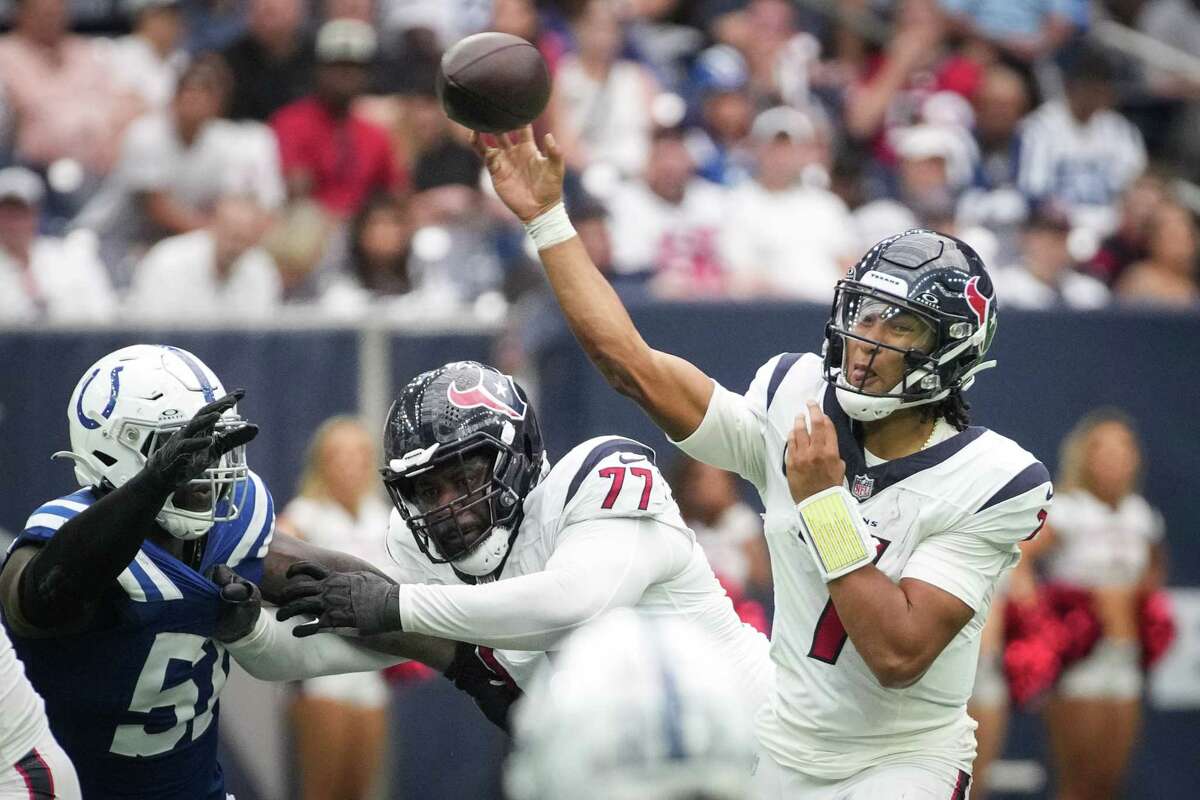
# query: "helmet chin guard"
[[487, 555]]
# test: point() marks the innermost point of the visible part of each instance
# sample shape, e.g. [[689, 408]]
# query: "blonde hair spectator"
[[340, 721]]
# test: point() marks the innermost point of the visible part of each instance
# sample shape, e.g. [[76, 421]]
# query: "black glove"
[[365, 601], [241, 603], [198, 446], [476, 672]]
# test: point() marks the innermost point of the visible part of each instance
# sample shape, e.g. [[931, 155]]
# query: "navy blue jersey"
[[133, 698]]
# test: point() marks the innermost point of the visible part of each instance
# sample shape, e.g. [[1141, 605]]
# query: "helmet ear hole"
[[104, 458]]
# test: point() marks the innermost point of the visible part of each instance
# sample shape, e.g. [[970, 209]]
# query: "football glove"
[[476, 671], [365, 602], [241, 603], [197, 446]]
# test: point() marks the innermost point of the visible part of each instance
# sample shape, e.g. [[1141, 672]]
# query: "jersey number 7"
[[830, 635], [617, 476]]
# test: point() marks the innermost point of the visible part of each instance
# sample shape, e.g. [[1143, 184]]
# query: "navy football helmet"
[[476, 423], [942, 284]]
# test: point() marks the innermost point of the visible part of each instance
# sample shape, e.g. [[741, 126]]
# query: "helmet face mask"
[[920, 297], [447, 531], [126, 406], [463, 449]]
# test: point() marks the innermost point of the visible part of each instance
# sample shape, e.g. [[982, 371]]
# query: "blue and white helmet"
[[633, 708], [126, 405]]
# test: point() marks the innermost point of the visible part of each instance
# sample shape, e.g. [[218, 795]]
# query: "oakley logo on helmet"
[[978, 303], [481, 396]]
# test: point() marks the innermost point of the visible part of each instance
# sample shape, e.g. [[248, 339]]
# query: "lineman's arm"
[[599, 564], [674, 392], [270, 653], [287, 550]]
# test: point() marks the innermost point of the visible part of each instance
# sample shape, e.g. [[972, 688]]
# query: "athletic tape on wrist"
[[835, 532], [551, 227]]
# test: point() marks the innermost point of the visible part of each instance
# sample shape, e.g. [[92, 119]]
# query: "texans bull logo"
[[977, 301], [502, 397]]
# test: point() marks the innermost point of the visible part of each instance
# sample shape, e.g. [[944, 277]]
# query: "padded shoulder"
[[609, 476]]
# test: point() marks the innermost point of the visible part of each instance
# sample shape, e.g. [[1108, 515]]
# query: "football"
[[493, 82]]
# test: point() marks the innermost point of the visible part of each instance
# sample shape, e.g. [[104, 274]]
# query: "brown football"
[[493, 82]]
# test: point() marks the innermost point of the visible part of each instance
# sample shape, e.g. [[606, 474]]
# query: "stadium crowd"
[[219, 161]]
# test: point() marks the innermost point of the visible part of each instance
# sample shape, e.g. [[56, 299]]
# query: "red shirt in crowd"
[[349, 158]]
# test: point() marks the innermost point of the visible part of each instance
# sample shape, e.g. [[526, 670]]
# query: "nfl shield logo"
[[863, 486]]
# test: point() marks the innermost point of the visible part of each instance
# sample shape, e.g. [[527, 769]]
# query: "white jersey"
[[568, 564], [950, 515], [1097, 545], [22, 714]]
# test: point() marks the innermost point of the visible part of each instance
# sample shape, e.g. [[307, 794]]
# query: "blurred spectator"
[[601, 106], [783, 237], [1167, 276], [272, 61], [1003, 99], [1047, 277], [719, 145], [149, 60], [59, 91], [1027, 30], [1079, 151], [1127, 244], [894, 84], [328, 151], [43, 277], [777, 53], [1101, 536], [1174, 94], [444, 21], [340, 721], [379, 243], [727, 529], [174, 166], [215, 273], [668, 220], [521, 18]]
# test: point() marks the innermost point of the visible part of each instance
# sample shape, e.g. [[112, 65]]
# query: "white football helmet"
[[126, 405], [633, 708]]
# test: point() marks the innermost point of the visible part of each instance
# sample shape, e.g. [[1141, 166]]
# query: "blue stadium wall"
[[1053, 368]]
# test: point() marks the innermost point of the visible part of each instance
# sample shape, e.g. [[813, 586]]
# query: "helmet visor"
[[878, 342]]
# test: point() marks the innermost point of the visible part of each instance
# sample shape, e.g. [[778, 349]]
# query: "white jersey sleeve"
[[271, 653], [597, 564], [731, 435], [967, 559]]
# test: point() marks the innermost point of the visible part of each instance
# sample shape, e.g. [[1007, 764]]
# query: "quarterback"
[[889, 518], [126, 598], [500, 550]]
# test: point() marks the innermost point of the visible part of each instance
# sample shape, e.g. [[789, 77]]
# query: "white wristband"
[[551, 227], [835, 532]]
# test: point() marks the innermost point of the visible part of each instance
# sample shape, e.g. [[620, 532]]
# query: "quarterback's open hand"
[[198, 445], [528, 181], [241, 603], [812, 461], [341, 601]]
